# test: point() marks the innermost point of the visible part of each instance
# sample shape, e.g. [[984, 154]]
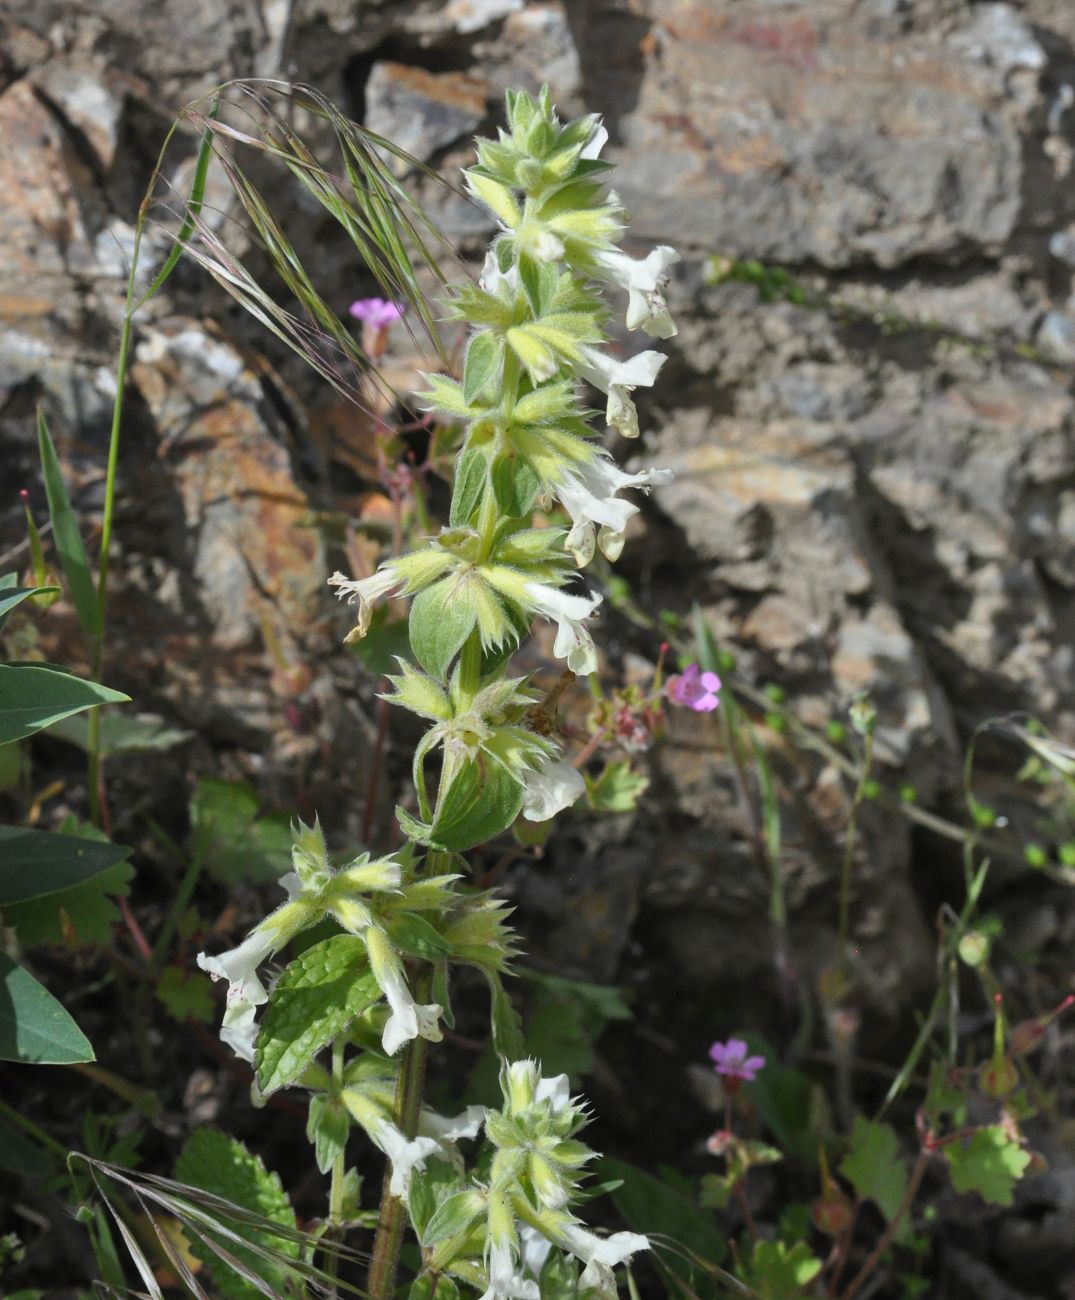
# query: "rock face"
[[874, 482]]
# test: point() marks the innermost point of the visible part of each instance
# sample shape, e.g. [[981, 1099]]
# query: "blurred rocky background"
[[875, 486]]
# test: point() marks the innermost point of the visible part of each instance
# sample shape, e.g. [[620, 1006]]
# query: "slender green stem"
[[470, 664], [28, 1126], [93, 775], [176, 909], [393, 1216], [844, 934]]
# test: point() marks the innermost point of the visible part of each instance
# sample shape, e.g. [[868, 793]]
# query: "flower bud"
[[974, 948]]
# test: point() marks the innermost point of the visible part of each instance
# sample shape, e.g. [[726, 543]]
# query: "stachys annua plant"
[[375, 996]]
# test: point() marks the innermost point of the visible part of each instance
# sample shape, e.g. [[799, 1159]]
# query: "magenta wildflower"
[[695, 689], [378, 313], [731, 1060]]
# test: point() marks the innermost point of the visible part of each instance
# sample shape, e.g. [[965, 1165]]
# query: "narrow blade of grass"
[[68, 539]]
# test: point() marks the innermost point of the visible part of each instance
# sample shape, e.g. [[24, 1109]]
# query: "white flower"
[[447, 1128], [588, 494], [573, 641], [550, 788], [619, 379], [493, 279], [366, 591], [239, 966], [600, 1255], [239, 1029], [406, 1154], [644, 281], [408, 1020], [535, 1248], [596, 143], [504, 1282], [556, 1090]]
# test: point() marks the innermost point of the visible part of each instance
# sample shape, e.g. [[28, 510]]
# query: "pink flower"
[[731, 1060], [378, 313], [695, 689]]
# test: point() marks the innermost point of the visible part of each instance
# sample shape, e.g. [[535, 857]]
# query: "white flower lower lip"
[[644, 281], [551, 788], [573, 641], [366, 592]]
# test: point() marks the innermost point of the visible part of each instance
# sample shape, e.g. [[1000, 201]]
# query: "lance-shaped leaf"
[[33, 697], [72, 553], [34, 863], [10, 596], [34, 1027]]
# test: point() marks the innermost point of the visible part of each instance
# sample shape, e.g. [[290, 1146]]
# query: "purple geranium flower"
[[695, 689], [731, 1060], [378, 313]]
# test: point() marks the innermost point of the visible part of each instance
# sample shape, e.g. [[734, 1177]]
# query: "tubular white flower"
[[600, 1255], [619, 379], [239, 1028], [239, 966], [588, 494], [504, 1282], [450, 1128], [573, 641], [556, 1090], [644, 281], [366, 592], [408, 1019], [535, 1247], [595, 144], [550, 788], [406, 1154]]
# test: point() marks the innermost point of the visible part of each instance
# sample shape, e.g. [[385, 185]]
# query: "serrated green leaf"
[[873, 1165], [777, 1272], [990, 1163], [312, 1003], [185, 996], [428, 1189], [441, 619], [618, 788], [505, 1021], [65, 534], [327, 1127], [228, 834], [223, 1167], [34, 1027], [33, 697], [35, 863], [471, 477], [83, 914], [482, 365]]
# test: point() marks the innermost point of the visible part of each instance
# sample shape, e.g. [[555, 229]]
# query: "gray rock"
[[423, 112]]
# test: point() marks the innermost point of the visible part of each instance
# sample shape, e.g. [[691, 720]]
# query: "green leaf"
[[415, 936], [654, 1206], [227, 833], [20, 1154], [471, 477], [33, 697], [506, 1023], [34, 1027], [433, 1286], [313, 1002], [565, 1020], [428, 1190], [785, 1101], [217, 1164], [453, 1215], [123, 733], [779, 1273], [12, 596], [82, 914], [65, 534], [327, 1127], [515, 485], [441, 619], [185, 996], [36, 863], [990, 1163], [483, 363], [475, 808], [618, 788], [873, 1165]]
